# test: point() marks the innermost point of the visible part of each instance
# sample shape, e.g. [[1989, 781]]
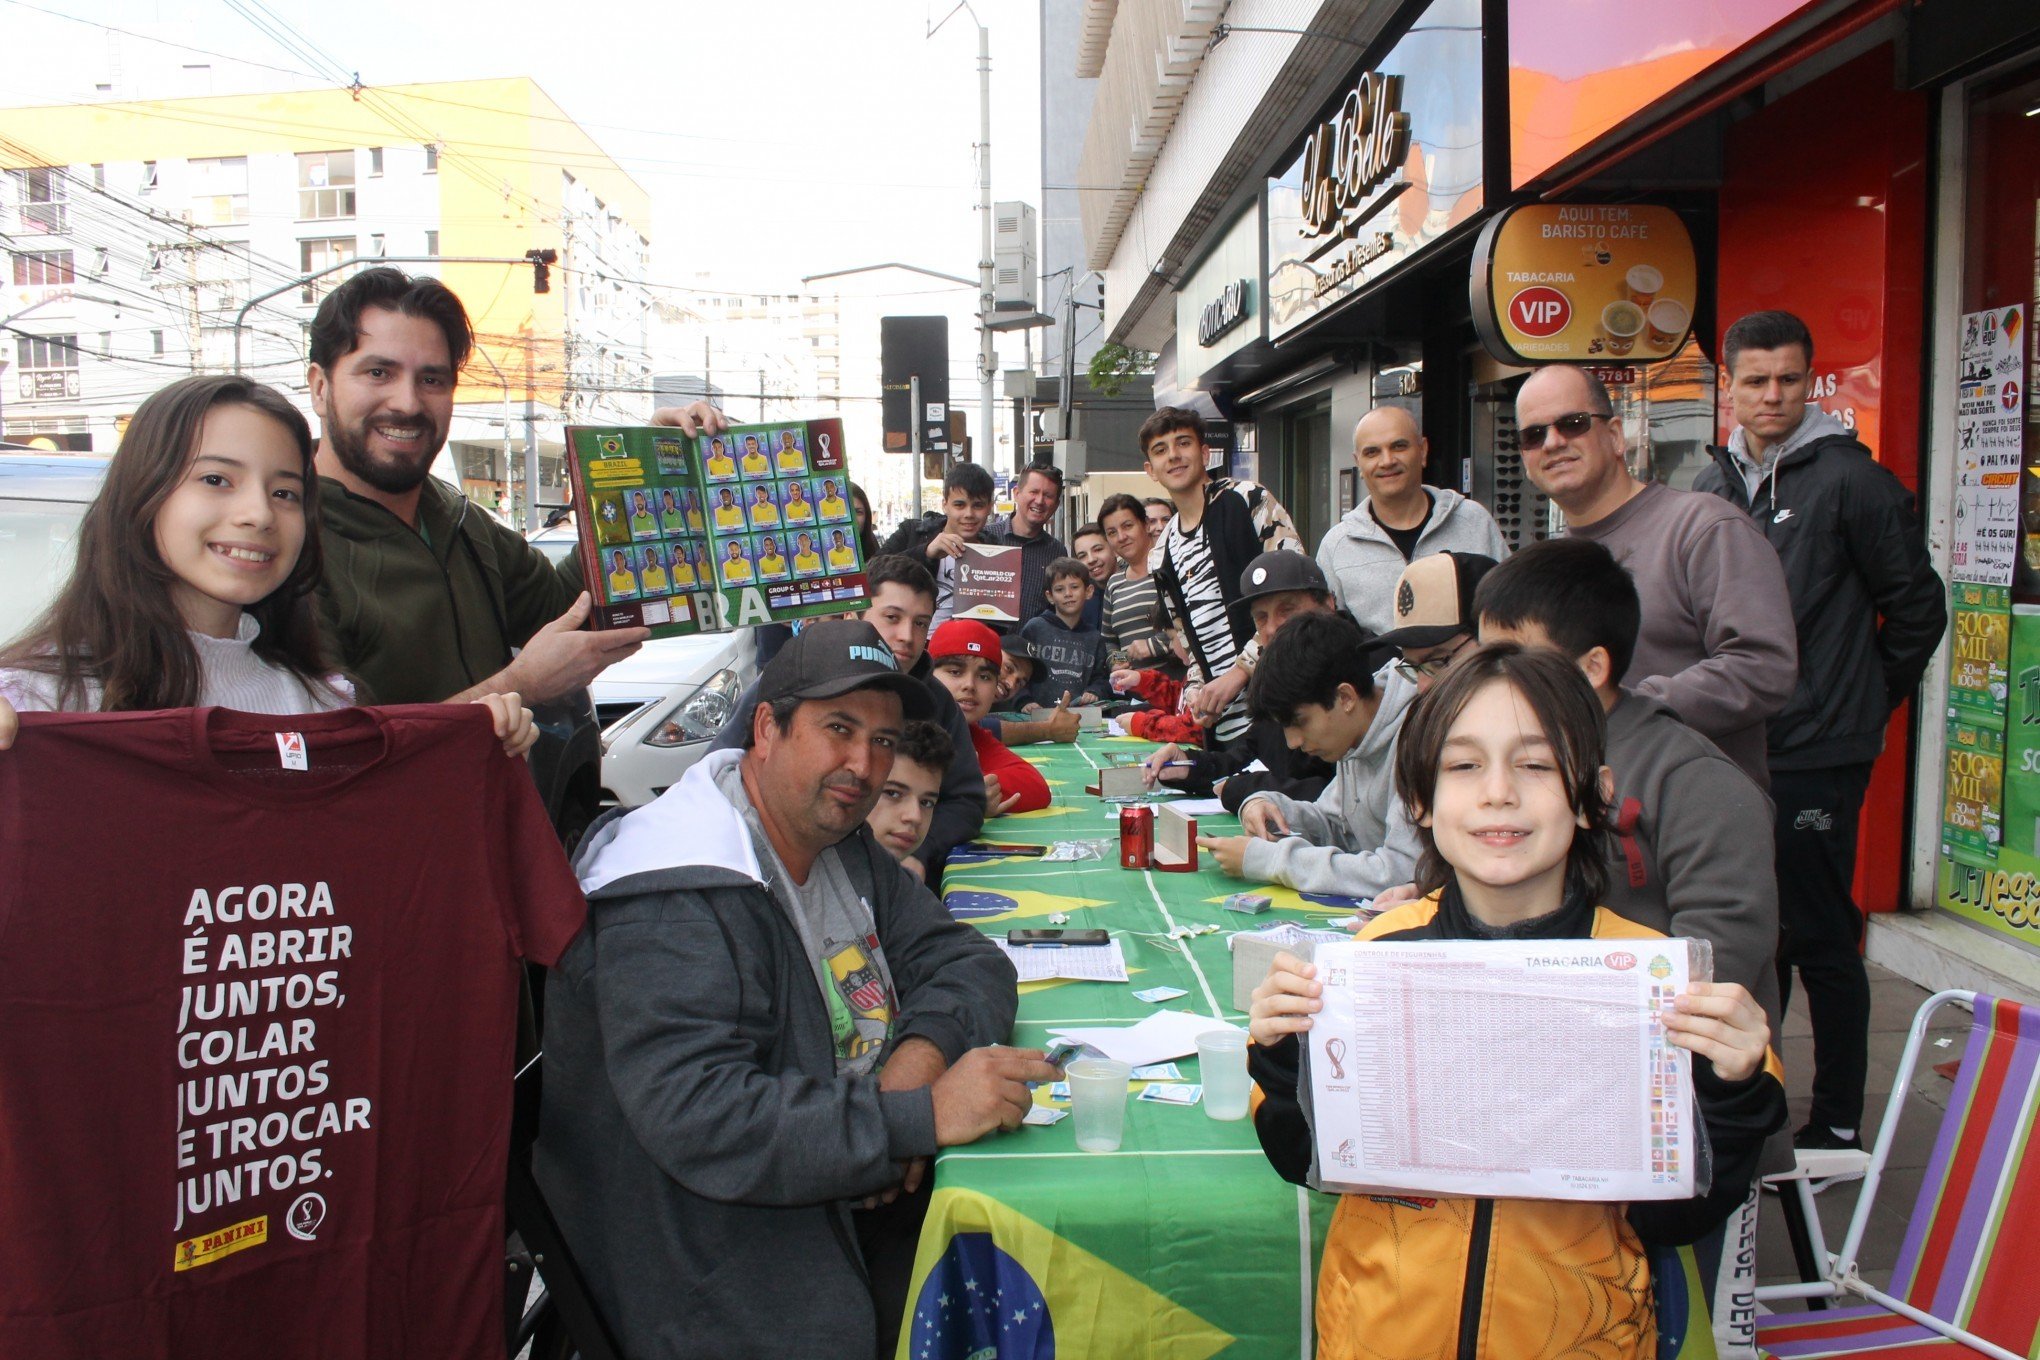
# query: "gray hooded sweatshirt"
[[1356, 839], [1363, 564], [697, 1144]]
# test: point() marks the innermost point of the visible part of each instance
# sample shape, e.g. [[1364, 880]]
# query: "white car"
[[660, 708]]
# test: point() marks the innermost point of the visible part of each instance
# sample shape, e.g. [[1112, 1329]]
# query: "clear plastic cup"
[[1098, 1101], [1222, 1067]]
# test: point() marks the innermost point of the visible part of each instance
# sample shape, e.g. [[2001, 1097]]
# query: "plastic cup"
[[1644, 280], [1621, 323], [1098, 1101], [1222, 1067], [1668, 319]]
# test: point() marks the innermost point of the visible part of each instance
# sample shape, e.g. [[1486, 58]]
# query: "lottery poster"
[[1979, 682], [749, 526], [1972, 791], [1990, 417]]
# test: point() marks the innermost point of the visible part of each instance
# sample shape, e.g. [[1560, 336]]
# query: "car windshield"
[[37, 540], [556, 547]]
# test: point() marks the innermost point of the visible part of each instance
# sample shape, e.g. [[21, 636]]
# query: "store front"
[[1977, 838]]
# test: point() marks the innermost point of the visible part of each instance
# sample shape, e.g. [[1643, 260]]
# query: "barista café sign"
[[1588, 283]]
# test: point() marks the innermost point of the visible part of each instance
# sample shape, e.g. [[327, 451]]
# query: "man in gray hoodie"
[[766, 1022], [1317, 681], [1398, 520]]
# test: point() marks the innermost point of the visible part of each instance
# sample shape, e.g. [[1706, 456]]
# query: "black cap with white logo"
[[836, 656], [1272, 573]]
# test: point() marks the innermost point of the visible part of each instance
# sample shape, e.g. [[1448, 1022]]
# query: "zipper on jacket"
[[1473, 1299]]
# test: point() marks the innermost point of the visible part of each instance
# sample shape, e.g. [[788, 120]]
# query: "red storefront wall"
[[1823, 213]]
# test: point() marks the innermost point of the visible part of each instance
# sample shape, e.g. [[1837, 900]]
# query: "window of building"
[[219, 190], [148, 177], [156, 342], [325, 185], [43, 195], [431, 243], [48, 365], [98, 175], [106, 343], [374, 161], [431, 157], [323, 253], [43, 269], [375, 245]]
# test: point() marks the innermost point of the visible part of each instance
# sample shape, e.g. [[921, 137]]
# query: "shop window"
[[47, 366], [325, 185]]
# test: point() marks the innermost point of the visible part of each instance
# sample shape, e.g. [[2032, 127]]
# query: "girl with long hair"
[[1501, 768], [195, 573]]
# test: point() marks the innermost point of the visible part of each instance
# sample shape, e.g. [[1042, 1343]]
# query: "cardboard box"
[[1254, 951]]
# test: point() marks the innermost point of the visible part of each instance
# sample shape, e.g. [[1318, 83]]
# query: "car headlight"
[[698, 716]]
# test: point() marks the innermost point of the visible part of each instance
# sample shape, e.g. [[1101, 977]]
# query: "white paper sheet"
[[1161, 1037], [1520, 1069], [1199, 807], [1080, 963]]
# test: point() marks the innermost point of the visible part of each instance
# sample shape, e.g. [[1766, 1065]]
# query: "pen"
[[1175, 765]]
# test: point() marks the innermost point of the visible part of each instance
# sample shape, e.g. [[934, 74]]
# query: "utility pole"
[[761, 395], [987, 300], [530, 439], [987, 292]]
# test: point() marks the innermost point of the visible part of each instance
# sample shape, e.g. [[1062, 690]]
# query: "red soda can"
[[1136, 836]]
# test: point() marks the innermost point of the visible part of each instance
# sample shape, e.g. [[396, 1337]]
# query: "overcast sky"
[[776, 137]]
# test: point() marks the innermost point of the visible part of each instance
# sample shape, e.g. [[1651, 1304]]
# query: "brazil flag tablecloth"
[[1184, 1243]]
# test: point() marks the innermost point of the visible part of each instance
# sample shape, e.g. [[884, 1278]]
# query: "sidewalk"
[[1893, 1001]]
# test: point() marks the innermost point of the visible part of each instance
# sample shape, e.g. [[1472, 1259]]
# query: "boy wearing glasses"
[[1318, 681], [1717, 644], [1399, 519]]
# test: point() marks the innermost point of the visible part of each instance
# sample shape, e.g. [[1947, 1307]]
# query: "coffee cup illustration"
[[1668, 321], [1621, 322], [1644, 281]]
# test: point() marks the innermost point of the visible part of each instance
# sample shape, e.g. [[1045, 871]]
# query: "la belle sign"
[[1351, 155]]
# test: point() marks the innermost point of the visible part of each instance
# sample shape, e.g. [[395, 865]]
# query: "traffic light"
[[541, 269]]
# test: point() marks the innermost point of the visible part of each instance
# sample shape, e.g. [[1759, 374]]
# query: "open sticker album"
[[711, 532]]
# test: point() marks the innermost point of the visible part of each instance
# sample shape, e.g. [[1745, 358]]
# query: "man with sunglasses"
[[1399, 519], [1717, 645]]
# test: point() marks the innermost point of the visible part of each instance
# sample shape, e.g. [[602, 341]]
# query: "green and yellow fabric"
[[1181, 1245]]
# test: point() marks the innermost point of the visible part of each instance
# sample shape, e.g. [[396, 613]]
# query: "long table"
[[1184, 1243]]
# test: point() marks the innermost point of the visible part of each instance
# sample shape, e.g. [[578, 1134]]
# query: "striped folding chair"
[[1963, 1284]]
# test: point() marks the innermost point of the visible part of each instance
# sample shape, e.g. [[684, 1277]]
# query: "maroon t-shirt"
[[257, 1028]]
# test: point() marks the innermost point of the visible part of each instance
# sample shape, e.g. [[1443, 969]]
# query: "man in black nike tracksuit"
[[1869, 611]]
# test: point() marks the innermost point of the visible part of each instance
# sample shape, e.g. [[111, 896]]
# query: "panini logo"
[[210, 1247]]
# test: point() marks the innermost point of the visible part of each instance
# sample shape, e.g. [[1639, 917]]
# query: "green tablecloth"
[[1184, 1243]]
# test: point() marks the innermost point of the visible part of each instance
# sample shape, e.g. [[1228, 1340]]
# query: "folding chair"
[[1962, 1284]]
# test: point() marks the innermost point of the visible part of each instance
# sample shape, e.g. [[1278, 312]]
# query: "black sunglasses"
[[1571, 426]]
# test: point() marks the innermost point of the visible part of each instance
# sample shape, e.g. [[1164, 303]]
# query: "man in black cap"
[[766, 1022], [1275, 588]]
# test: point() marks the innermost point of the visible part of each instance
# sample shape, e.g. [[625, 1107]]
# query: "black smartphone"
[[1055, 939]]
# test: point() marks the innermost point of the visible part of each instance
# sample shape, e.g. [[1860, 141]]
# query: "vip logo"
[[1621, 962], [1540, 311]]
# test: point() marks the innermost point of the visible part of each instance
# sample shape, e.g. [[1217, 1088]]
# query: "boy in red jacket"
[[966, 657]]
